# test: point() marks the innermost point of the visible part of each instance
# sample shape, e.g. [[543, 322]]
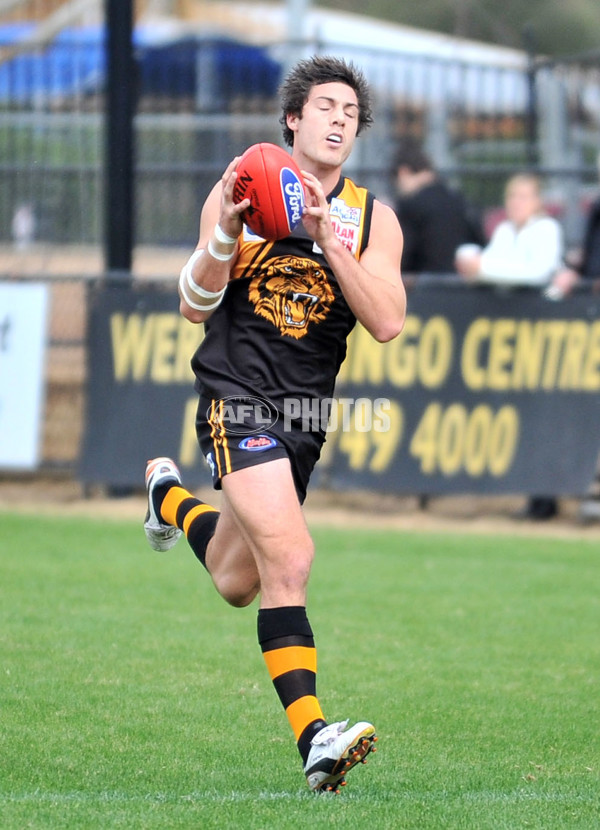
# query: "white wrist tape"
[[197, 289], [187, 268], [187, 281], [223, 237], [195, 305], [217, 254]]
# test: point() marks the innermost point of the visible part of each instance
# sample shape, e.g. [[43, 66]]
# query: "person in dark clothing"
[[588, 267], [585, 268], [435, 218]]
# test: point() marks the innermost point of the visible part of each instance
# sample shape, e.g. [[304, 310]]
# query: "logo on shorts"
[[257, 443], [241, 415], [211, 462]]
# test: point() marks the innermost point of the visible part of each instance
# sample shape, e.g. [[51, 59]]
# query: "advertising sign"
[[485, 391], [23, 312]]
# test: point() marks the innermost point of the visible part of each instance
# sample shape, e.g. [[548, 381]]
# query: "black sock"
[[198, 520], [288, 647]]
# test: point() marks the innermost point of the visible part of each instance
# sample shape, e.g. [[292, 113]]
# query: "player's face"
[[326, 131]]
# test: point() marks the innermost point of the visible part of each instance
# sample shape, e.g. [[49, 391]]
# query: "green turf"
[[131, 696]]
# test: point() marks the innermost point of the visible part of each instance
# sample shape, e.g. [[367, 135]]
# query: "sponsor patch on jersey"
[[257, 443], [345, 221], [293, 196], [345, 213]]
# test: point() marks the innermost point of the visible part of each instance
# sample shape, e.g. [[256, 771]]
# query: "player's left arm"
[[373, 286]]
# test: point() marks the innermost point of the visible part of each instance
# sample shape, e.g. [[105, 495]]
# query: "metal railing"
[[473, 115]]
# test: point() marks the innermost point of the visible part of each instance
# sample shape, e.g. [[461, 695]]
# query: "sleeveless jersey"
[[281, 329]]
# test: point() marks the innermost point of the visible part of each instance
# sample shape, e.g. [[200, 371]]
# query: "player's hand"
[[230, 218], [315, 216]]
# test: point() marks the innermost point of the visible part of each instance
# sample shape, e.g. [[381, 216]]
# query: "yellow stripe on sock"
[[281, 660], [171, 502], [196, 511], [302, 712]]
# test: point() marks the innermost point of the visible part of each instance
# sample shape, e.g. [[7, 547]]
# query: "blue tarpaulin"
[[210, 69]]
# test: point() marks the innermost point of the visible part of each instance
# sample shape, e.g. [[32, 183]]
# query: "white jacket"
[[526, 256]]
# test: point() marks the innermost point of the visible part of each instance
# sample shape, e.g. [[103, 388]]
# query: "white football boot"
[[161, 536], [334, 752]]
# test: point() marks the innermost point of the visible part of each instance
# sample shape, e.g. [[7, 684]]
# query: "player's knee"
[[292, 569], [304, 563], [306, 556], [234, 592]]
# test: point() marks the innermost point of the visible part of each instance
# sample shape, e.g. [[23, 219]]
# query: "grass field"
[[132, 697]]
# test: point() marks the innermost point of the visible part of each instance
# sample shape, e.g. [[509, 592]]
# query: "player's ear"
[[292, 120]]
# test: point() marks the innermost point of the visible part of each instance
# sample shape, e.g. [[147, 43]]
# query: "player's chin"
[[341, 153], [334, 156]]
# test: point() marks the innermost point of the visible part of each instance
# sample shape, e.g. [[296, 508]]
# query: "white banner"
[[23, 321]]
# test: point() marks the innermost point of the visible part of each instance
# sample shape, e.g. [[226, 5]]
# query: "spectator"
[[587, 267], [525, 249], [587, 264], [435, 219]]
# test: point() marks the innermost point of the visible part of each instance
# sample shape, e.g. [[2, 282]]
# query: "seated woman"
[[525, 249]]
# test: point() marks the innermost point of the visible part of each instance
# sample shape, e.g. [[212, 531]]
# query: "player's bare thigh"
[[265, 504]]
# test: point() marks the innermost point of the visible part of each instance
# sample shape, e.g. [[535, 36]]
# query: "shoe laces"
[[329, 733]]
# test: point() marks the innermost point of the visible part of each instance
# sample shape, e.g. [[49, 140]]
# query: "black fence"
[[200, 101]]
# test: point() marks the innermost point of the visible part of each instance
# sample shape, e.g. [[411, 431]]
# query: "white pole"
[[297, 14]]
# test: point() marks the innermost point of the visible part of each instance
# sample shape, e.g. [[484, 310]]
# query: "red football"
[[270, 178]]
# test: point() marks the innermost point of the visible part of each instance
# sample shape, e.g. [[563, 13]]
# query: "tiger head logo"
[[291, 292]]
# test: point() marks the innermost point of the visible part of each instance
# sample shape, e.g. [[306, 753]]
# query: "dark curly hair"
[[322, 69]]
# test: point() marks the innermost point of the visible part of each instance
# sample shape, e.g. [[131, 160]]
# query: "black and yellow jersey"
[[281, 329]]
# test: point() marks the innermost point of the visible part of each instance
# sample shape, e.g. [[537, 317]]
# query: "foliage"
[[556, 28]]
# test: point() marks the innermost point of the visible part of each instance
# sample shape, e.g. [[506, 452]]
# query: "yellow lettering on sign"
[[435, 352], [472, 364], [454, 440], [364, 363], [529, 354], [165, 327], [502, 349], [402, 354], [555, 336], [189, 337], [506, 354], [574, 356], [157, 347], [500, 355], [422, 353], [132, 345], [368, 437], [590, 379]]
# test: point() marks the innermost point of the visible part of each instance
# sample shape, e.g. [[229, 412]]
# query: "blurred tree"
[[560, 28]]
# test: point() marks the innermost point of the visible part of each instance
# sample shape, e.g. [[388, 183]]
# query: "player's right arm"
[[205, 275]]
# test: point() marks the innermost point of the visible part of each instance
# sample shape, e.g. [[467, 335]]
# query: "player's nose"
[[338, 115]]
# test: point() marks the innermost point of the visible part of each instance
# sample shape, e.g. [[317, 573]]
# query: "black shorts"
[[239, 432]]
